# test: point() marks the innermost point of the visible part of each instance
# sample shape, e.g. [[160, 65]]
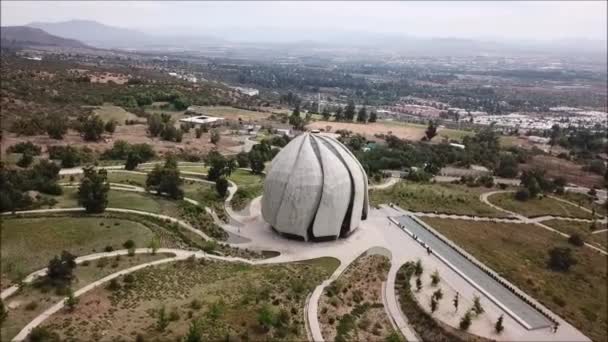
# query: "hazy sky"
[[506, 19]]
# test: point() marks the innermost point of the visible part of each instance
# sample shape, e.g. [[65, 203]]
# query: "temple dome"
[[315, 189]]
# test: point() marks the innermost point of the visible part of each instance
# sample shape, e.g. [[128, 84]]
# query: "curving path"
[[117, 210], [538, 220]]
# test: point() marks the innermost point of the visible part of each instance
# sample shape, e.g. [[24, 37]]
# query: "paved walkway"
[[511, 303]]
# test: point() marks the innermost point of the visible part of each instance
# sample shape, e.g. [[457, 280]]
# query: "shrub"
[[129, 244], [113, 285], [418, 269], [465, 321], [196, 304], [477, 309], [108, 248], [561, 259], [576, 239], [174, 315], [31, 306], [129, 278], [498, 327], [435, 278], [522, 195]]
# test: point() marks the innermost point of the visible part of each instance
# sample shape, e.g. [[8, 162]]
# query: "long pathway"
[[515, 306]]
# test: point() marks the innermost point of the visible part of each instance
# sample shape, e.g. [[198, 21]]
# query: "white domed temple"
[[315, 190]]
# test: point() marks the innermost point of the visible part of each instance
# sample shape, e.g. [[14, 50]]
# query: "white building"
[[315, 190]]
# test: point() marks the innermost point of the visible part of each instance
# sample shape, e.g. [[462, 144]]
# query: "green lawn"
[[584, 200], [581, 228], [519, 252], [127, 178], [29, 243], [125, 199], [116, 113], [537, 207], [436, 197], [226, 297], [249, 185]]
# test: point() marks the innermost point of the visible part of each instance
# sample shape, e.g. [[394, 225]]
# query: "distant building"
[[203, 120], [538, 140], [247, 91]]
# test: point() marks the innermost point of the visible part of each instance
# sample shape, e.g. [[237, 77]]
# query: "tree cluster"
[[93, 190], [165, 180]]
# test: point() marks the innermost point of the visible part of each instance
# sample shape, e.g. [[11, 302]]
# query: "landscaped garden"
[[213, 299], [436, 197], [423, 323], [540, 206], [33, 299], [351, 308], [521, 254]]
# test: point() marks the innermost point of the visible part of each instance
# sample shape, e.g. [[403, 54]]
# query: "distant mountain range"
[[23, 35], [104, 36], [294, 40]]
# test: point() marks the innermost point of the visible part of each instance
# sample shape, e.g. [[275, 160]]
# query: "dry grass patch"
[[537, 206], [583, 229]]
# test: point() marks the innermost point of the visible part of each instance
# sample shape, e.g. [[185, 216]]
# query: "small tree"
[[465, 321], [266, 317], [129, 244], [154, 244], [431, 130], [434, 304], [522, 195], [25, 160], [221, 186], [576, 239], [477, 308], [435, 278], [195, 332], [561, 259], [162, 320], [418, 269], [60, 269], [110, 126], [133, 159], [438, 294], [418, 284], [3, 312], [56, 127], [71, 301], [242, 158], [256, 160], [93, 190], [498, 327], [91, 127], [362, 116], [373, 116], [215, 136]]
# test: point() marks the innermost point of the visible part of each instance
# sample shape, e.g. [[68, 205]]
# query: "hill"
[[93, 33], [23, 35]]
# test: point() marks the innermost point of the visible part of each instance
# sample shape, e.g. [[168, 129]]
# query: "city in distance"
[[303, 171]]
